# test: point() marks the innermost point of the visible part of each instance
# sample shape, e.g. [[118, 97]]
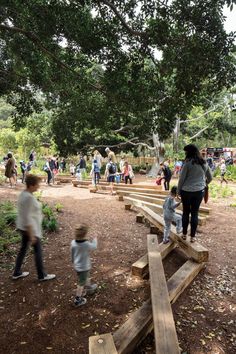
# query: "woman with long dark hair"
[[194, 177]]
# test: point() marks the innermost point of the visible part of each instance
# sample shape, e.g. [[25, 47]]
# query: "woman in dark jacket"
[[194, 177]]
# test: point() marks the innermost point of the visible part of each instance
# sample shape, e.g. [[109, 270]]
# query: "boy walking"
[[80, 248], [170, 215]]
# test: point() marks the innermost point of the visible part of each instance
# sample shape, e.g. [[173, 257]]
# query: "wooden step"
[[166, 340]]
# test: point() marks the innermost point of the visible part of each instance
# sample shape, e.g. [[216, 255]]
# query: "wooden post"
[[166, 340], [139, 218], [103, 344]]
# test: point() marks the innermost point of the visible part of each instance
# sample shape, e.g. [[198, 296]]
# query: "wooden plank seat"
[[166, 340], [140, 322], [155, 207], [102, 344], [193, 250], [137, 188]]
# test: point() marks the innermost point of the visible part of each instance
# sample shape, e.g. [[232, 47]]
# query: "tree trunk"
[[159, 154]]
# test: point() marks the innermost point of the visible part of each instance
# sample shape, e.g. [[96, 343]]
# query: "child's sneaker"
[[90, 289], [79, 301], [166, 241]]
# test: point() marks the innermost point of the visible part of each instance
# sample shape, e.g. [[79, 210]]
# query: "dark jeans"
[[96, 177], [191, 202], [126, 179], [167, 184], [49, 173], [37, 255]]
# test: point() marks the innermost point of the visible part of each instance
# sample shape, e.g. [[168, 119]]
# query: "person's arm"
[[92, 245], [175, 205], [27, 211], [182, 177], [72, 254]]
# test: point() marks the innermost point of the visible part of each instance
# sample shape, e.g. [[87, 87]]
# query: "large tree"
[[112, 70]]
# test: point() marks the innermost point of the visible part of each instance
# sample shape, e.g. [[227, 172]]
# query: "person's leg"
[[130, 179], [167, 228], [39, 259], [178, 221], [196, 200], [79, 299], [165, 185], [126, 179], [168, 185], [185, 197], [22, 253]]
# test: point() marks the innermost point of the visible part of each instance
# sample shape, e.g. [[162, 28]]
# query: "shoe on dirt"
[[79, 301], [21, 275], [48, 277]]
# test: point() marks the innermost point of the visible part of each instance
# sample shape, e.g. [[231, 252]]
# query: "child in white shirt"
[[80, 249]]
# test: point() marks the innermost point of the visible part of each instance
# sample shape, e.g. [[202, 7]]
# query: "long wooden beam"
[[140, 323], [193, 250], [166, 340]]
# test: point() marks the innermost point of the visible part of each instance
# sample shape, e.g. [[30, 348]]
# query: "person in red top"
[[128, 172]]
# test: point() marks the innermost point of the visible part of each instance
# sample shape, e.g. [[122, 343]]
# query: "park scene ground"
[[118, 172], [42, 317]]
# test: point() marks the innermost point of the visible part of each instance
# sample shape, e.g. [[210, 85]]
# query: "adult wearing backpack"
[[110, 173], [111, 155]]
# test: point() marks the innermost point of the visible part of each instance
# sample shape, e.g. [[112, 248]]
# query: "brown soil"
[[39, 317]]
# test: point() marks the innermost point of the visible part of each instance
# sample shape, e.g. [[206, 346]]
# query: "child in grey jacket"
[[170, 215], [80, 249]]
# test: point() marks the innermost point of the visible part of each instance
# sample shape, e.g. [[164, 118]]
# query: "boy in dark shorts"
[[80, 249]]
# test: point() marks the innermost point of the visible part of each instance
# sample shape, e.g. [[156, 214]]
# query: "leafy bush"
[[8, 234], [2, 179], [58, 207], [49, 220]]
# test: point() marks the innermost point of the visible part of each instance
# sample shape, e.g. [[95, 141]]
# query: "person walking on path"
[[170, 215], [10, 169], [95, 172], [194, 177], [98, 157], [110, 173], [111, 155], [128, 173], [29, 223], [166, 172], [223, 170], [80, 248]]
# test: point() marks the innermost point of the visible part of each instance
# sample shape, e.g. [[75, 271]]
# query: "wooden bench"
[[166, 340]]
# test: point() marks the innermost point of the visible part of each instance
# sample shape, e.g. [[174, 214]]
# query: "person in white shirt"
[[29, 223], [223, 172]]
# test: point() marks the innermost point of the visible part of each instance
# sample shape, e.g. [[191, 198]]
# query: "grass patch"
[[217, 191]]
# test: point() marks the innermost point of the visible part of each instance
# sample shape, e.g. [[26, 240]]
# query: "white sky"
[[230, 22]]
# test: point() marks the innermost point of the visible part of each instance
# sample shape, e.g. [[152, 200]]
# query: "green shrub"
[[59, 207]]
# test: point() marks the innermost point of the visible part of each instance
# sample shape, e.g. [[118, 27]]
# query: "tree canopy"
[[112, 71]]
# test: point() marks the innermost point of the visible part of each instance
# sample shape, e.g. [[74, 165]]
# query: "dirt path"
[[39, 317]]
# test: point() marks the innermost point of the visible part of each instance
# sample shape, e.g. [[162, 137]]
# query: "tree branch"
[[127, 27], [124, 143], [204, 114], [199, 133], [36, 40]]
